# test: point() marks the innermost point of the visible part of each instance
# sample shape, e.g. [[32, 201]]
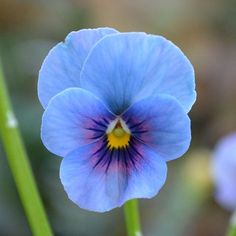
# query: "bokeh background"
[[204, 30]]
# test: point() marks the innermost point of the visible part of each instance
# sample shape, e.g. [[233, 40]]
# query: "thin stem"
[[232, 226], [20, 166], [132, 218]]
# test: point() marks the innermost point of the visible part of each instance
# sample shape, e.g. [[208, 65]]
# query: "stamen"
[[118, 134]]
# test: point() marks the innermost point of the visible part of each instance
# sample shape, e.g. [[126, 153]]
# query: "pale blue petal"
[[73, 118], [101, 188], [148, 178], [161, 123], [224, 171], [126, 67], [61, 68]]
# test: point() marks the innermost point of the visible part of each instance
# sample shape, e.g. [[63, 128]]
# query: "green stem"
[[20, 166], [132, 218], [232, 226]]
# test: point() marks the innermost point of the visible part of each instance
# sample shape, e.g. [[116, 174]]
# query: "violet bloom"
[[224, 172], [116, 109]]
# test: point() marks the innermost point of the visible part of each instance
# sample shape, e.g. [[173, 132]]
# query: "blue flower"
[[116, 109], [224, 171]]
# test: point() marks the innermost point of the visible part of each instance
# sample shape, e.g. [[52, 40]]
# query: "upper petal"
[[61, 68], [110, 184], [161, 123], [126, 67], [73, 118]]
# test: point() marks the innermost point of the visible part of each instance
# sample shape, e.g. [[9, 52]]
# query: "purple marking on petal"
[[95, 129], [104, 158], [140, 128]]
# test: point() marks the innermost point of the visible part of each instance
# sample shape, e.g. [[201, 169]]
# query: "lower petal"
[[103, 185]]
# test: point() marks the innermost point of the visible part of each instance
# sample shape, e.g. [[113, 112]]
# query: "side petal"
[[126, 67], [61, 68], [73, 118], [161, 123], [101, 188]]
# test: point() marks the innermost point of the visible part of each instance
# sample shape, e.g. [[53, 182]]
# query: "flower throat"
[[118, 136]]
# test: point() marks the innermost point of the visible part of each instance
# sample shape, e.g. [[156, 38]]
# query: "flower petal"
[[101, 187], [161, 123], [73, 118], [224, 171], [61, 68], [226, 194], [126, 67]]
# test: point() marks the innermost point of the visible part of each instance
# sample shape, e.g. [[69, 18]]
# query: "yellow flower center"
[[118, 137]]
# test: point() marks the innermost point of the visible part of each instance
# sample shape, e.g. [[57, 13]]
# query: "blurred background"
[[204, 30]]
